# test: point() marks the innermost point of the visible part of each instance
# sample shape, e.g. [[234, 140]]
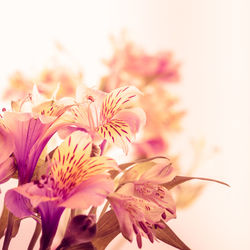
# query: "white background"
[[210, 38]]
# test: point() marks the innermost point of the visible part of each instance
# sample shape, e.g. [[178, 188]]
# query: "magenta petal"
[[26, 131], [91, 192], [18, 204], [50, 216]]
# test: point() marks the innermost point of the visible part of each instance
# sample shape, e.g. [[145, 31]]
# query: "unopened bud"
[[81, 229]]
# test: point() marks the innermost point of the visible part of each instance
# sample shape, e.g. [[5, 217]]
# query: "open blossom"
[[142, 202], [112, 116], [76, 180], [30, 132]]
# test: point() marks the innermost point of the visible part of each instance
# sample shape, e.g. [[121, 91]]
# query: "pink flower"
[[112, 116], [132, 64], [29, 128], [76, 180], [141, 202]]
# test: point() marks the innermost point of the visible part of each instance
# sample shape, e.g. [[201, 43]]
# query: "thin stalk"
[[9, 230], [35, 236]]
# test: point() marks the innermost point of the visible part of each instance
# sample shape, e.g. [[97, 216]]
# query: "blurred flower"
[[76, 181], [131, 64], [150, 148], [47, 81]]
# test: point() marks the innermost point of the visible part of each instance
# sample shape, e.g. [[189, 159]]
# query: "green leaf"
[[16, 226], [126, 165], [107, 229], [181, 179], [3, 221], [168, 236]]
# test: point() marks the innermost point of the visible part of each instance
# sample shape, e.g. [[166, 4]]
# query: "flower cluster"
[[55, 147]]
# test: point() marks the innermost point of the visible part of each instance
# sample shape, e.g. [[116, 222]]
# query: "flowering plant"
[[75, 174], [58, 151]]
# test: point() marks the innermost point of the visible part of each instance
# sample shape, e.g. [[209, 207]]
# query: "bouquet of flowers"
[[57, 150]]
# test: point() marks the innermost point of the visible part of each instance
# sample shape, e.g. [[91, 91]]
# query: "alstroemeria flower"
[[29, 128], [140, 209], [30, 135], [112, 116], [142, 202], [76, 180]]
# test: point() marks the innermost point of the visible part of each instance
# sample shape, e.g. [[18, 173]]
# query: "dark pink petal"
[[26, 131], [50, 216]]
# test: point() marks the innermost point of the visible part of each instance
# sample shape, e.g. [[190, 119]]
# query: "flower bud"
[[81, 229]]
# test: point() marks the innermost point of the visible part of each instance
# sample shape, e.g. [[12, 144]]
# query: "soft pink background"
[[211, 39]]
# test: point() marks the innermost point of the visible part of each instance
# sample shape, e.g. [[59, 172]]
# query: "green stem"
[[35, 236], [8, 234]]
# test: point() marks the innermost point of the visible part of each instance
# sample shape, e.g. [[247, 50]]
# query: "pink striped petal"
[[91, 192]]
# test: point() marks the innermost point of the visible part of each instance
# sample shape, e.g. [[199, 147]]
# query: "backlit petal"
[[90, 192], [71, 163], [117, 132], [134, 117], [117, 100]]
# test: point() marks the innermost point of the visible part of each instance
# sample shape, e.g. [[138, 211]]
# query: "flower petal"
[[91, 192], [122, 215], [117, 132], [71, 163], [117, 100], [18, 204], [35, 193], [26, 131], [159, 195], [134, 117]]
